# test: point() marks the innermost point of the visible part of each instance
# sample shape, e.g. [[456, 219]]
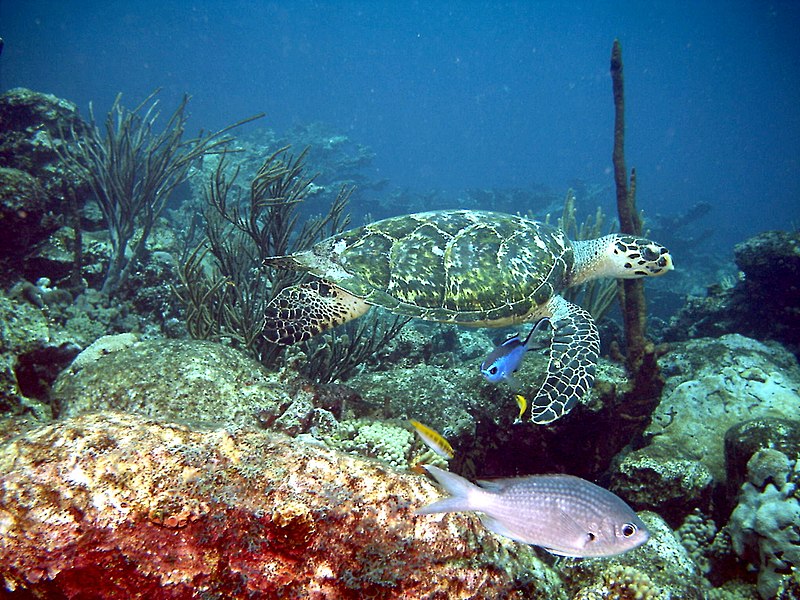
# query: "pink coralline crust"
[[132, 508]]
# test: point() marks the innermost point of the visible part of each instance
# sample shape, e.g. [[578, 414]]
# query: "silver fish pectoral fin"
[[573, 359]]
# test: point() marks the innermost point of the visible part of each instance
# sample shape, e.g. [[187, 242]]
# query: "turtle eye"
[[649, 254], [628, 529]]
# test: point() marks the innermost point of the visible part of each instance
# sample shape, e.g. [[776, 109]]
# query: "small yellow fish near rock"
[[433, 439], [522, 402]]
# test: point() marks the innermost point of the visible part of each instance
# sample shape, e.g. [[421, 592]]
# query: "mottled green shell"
[[457, 265]]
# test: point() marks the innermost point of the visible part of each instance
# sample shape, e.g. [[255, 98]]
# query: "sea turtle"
[[476, 268]]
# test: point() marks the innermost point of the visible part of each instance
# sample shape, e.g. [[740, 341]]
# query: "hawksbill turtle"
[[476, 268]]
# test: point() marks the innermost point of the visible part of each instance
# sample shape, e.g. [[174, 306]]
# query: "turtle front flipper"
[[573, 359], [300, 312]]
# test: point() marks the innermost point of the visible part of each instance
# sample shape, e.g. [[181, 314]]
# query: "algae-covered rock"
[[713, 384], [140, 508], [32, 123], [31, 354], [669, 485], [188, 381]]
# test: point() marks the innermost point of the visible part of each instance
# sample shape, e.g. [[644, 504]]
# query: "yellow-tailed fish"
[[523, 404], [433, 439]]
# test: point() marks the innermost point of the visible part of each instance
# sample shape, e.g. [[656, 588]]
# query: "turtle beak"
[[665, 262]]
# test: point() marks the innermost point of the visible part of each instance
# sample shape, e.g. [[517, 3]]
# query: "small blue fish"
[[504, 360]]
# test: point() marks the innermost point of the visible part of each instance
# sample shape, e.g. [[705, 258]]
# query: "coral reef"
[[762, 304], [35, 189], [713, 384], [744, 439], [144, 509], [765, 525], [249, 512]]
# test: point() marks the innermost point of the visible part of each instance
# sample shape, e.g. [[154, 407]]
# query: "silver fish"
[[565, 515]]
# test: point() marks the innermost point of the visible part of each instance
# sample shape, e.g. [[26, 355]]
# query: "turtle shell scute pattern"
[[465, 266]]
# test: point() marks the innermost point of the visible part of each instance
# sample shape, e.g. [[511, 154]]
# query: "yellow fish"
[[523, 404], [433, 439]]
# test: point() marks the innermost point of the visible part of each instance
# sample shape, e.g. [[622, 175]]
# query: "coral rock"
[[140, 509], [765, 524], [713, 384], [669, 485], [180, 380], [744, 439]]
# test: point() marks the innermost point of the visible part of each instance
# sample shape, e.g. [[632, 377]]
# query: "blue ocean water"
[[455, 95]]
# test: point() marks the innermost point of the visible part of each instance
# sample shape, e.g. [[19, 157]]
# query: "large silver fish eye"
[[628, 529]]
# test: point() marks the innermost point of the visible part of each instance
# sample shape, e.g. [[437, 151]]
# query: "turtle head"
[[620, 256], [631, 257]]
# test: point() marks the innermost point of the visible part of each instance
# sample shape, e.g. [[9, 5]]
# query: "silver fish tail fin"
[[459, 489]]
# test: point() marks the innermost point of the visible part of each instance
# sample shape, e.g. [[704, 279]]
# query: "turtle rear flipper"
[[300, 312], [573, 359]]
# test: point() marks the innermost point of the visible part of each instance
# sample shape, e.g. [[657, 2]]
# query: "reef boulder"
[[188, 381], [141, 508], [712, 384]]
